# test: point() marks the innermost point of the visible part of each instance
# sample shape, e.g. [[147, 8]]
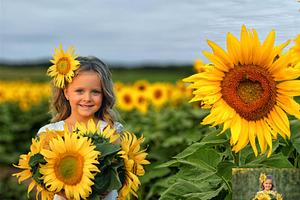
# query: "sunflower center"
[[157, 94], [127, 99], [141, 87], [141, 99], [250, 90], [63, 65], [69, 168]]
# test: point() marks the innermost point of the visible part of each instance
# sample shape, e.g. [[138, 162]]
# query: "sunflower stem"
[[236, 157], [296, 160], [227, 184]]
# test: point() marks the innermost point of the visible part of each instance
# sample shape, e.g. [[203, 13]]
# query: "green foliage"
[[167, 132], [17, 128], [11, 190], [188, 160], [204, 167], [37, 73], [111, 165]]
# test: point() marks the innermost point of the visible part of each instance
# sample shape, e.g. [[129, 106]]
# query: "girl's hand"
[[102, 196], [62, 193]]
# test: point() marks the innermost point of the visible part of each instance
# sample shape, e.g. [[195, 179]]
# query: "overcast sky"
[[137, 31]]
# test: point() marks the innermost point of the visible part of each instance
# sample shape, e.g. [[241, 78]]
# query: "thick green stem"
[[296, 160], [236, 157]]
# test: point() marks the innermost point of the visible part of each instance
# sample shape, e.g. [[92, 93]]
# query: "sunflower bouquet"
[[83, 163], [267, 196]]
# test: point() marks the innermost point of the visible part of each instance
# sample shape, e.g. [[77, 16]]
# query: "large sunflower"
[[70, 162], [35, 148], [248, 89], [63, 66], [133, 160]]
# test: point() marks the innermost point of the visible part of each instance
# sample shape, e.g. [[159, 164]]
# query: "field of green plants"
[[188, 160]]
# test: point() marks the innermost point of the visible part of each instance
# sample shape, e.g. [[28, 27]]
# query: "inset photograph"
[[265, 184]]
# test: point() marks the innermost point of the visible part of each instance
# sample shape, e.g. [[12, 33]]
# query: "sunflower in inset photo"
[[64, 65], [249, 88]]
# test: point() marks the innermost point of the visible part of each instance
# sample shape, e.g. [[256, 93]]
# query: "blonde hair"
[[60, 107], [262, 187]]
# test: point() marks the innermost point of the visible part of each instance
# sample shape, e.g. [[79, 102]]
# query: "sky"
[[134, 32]]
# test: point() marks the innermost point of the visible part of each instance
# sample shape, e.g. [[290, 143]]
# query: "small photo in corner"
[[265, 184]]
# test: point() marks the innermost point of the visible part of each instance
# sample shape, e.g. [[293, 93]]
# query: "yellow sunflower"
[[141, 102], [198, 65], [158, 95], [278, 197], [133, 160], [82, 129], [35, 148], [263, 196], [142, 85], [126, 99], [248, 90], [262, 177], [295, 60], [70, 163], [63, 66]]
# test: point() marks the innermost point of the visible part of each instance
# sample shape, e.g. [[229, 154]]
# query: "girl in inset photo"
[[267, 189]]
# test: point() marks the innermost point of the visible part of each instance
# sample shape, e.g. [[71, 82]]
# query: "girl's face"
[[85, 96], [268, 184]]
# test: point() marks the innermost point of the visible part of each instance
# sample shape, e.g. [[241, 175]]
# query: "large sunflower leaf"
[[106, 148], [186, 189], [275, 160], [209, 140]]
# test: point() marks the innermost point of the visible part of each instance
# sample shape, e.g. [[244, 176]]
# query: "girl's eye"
[[96, 92], [79, 91]]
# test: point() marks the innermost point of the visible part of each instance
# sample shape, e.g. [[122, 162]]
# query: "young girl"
[[82, 89], [267, 184]]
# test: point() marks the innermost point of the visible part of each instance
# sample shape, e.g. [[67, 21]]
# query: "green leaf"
[[180, 188], [94, 196], [186, 190], [199, 165], [277, 161], [35, 159], [225, 169], [171, 163], [252, 161], [228, 197], [106, 148], [208, 141], [295, 134]]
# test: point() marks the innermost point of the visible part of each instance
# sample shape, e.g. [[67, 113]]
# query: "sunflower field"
[[241, 111]]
